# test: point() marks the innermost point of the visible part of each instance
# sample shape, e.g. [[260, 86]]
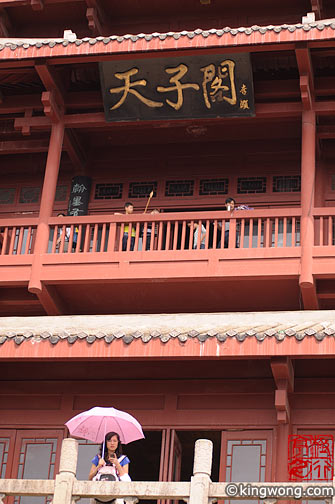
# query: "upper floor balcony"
[[191, 261]]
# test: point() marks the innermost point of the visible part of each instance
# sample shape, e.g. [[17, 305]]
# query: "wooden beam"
[[51, 82], [23, 146], [317, 8], [52, 108], [326, 132], [51, 300], [75, 151], [5, 24]]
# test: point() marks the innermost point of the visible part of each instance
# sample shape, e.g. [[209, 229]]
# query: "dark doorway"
[[144, 456], [187, 440]]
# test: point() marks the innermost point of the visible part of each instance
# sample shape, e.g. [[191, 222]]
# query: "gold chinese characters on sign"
[[158, 89]]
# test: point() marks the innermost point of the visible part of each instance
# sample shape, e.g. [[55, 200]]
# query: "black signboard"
[[79, 196], [178, 88]]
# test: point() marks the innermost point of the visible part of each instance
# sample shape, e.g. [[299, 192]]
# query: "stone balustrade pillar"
[[67, 472], [202, 467]]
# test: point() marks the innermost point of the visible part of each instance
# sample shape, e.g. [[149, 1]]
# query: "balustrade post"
[[202, 468], [67, 472], [47, 202]]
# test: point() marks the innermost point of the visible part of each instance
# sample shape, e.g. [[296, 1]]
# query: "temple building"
[[167, 233]]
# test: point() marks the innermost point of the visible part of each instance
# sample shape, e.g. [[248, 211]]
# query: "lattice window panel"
[[33, 451], [61, 193], [237, 451], [286, 183], [213, 187], [333, 182], [4, 449], [142, 189], [108, 191], [7, 196], [30, 194], [251, 185], [179, 188]]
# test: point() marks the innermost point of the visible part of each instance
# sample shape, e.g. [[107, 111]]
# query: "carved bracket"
[[305, 91], [51, 107], [283, 375], [96, 17]]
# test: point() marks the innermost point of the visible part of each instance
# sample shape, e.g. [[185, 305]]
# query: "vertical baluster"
[[20, 239], [130, 230], [69, 248], [95, 238], [199, 234], [259, 232], [207, 234], [79, 235], [121, 236], [111, 237], [175, 235], [27, 247], [168, 235], [183, 235], [321, 231], [285, 232], [87, 238], [54, 240], [152, 237], [137, 236], [62, 240], [267, 233], [232, 233], [223, 232], [276, 232], [12, 241], [190, 242], [330, 222], [215, 232], [251, 231], [5, 241], [145, 236], [160, 236], [242, 223], [294, 240], [103, 238]]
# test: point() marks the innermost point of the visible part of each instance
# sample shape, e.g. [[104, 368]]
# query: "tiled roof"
[[171, 40], [221, 326]]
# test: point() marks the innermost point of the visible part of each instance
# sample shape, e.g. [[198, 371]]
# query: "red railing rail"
[[17, 236], [324, 227], [266, 228]]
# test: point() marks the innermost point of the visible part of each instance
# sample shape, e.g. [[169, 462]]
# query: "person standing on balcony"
[[230, 205], [196, 234], [128, 210], [67, 235], [152, 227]]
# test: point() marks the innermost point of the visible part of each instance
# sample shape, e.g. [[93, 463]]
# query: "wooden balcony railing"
[[324, 227], [17, 237], [256, 229]]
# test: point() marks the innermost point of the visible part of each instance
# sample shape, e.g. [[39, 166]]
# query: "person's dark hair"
[[230, 200], [61, 214], [118, 451], [128, 204]]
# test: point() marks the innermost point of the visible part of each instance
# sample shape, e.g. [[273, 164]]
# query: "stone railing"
[[66, 489]]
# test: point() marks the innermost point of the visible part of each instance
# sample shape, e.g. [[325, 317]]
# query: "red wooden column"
[[306, 280], [47, 202]]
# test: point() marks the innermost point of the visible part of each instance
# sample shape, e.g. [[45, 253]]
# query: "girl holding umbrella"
[[111, 455]]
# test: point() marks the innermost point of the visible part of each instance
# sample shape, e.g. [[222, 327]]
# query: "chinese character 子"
[[311, 457], [178, 86], [128, 89], [78, 188], [218, 84]]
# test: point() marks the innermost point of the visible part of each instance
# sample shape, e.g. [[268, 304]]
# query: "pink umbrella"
[[95, 423]]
